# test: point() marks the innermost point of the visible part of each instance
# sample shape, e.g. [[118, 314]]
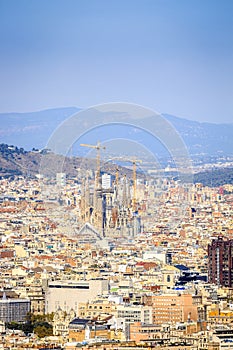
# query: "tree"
[[38, 324], [43, 329]]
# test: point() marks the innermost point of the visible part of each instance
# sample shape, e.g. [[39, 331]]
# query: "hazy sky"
[[174, 56]]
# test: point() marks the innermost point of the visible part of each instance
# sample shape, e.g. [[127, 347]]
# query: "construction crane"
[[98, 147], [134, 163], [117, 176]]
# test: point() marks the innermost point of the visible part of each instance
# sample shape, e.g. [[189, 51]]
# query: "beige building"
[[36, 295], [67, 295], [61, 322], [172, 308], [96, 308]]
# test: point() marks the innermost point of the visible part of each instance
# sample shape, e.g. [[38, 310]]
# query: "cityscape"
[[116, 175], [111, 261]]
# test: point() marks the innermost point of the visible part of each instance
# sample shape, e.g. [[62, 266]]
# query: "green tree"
[[43, 330], [38, 324]]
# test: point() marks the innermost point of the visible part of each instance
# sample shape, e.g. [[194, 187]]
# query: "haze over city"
[[172, 56], [116, 174]]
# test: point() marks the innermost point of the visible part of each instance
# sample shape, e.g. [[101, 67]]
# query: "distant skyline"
[[171, 56]]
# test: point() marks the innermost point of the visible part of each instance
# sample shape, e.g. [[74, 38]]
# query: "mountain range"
[[32, 130]]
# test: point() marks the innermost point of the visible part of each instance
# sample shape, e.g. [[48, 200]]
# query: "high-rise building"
[[61, 179], [220, 262], [106, 181]]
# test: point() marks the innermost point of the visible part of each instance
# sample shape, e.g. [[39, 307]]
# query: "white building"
[[135, 313], [128, 314], [61, 179], [157, 254], [66, 295], [106, 181]]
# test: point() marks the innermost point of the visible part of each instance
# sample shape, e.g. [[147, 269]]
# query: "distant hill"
[[215, 177], [17, 161], [33, 129], [30, 130], [204, 138]]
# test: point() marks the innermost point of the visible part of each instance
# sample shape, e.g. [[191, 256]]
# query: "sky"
[[173, 56]]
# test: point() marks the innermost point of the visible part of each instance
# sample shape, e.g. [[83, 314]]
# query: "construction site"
[[111, 205]]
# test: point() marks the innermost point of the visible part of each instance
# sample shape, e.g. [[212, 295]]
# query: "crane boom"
[[98, 147], [89, 146]]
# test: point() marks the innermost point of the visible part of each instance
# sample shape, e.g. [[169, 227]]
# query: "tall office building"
[[61, 179], [106, 181], [220, 262]]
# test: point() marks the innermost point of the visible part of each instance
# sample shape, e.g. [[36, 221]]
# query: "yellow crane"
[[98, 148], [134, 162], [117, 176]]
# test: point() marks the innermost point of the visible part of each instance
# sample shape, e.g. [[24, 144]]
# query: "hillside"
[[30, 130], [215, 177], [204, 138], [17, 161], [34, 129]]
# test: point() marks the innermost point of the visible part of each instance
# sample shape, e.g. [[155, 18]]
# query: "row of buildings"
[[162, 285]]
